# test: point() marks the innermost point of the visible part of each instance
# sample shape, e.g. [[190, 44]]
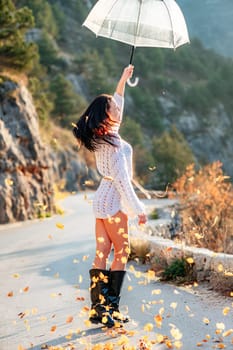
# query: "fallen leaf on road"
[[60, 226]]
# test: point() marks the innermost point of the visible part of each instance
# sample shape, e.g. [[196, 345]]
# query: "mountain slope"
[[211, 22]]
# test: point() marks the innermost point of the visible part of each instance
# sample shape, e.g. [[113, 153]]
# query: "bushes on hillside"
[[206, 207]]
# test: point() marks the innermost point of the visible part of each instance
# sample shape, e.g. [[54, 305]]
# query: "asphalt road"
[[44, 296]]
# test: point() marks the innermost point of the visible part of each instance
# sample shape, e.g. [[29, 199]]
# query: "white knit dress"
[[114, 163]]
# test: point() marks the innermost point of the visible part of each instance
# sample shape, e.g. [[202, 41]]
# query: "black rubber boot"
[[99, 298], [116, 279]]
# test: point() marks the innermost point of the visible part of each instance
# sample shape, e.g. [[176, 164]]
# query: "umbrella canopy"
[[151, 23]]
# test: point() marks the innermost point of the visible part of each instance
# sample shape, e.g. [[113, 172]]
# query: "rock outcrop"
[[29, 168]]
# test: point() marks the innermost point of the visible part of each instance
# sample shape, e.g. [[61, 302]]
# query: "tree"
[[172, 154], [15, 52], [66, 101]]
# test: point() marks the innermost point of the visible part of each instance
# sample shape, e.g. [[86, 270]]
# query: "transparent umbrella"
[[148, 23]]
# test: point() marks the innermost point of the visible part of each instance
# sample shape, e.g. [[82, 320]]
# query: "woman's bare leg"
[[117, 230], [103, 245]]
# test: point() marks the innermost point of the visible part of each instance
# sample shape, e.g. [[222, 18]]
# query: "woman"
[[114, 200]]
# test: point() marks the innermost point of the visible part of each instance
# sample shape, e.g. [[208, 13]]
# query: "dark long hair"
[[92, 125]]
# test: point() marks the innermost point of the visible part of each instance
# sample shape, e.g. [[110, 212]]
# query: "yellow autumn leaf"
[[173, 305], [178, 344], [85, 257], [16, 275], [53, 328], [87, 323], [187, 308], [80, 279], [206, 320], [221, 346], [69, 335], [20, 347], [158, 320], [220, 267], [159, 338], [130, 288], [8, 182], [59, 225], [117, 220], [220, 325], [69, 319], [161, 311], [176, 334], [225, 311], [142, 307], [227, 333], [148, 327], [190, 260], [156, 291]]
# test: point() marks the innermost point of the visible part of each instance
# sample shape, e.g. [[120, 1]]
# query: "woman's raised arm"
[[127, 74]]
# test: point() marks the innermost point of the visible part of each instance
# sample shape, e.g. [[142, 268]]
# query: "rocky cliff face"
[[28, 167]]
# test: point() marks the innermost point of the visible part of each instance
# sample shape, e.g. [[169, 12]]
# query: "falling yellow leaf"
[[80, 279], [150, 274], [16, 275], [220, 325], [70, 334], [173, 305], [187, 308], [130, 288], [53, 328], [221, 346], [227, 333], [159, 338], [158, 320], [85, 257], [9, 182], [156, 291], [69, 319], [87, 323], [199, 344], [176, 334], [20, 347], [34, 311], [60, 226], [178, 344], [161, 311], [50, 237], [142, 307], [152, 168], [148, 327], [220, 267], [206, 320], [117, 220], [190, 261], [225, 311]]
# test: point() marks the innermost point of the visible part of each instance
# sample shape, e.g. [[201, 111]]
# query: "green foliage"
[[95, 73], [43, 100], [14, 51], [131, 131], [66, 101], [175, 269], [43, 14], [48, 52], [172, 154]]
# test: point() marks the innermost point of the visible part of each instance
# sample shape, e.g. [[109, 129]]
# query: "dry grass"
[[206, 208]]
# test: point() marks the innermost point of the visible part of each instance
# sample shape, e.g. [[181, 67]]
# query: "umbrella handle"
[[133, 83]]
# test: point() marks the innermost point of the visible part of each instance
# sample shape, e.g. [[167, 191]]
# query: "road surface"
[[44, 296]]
